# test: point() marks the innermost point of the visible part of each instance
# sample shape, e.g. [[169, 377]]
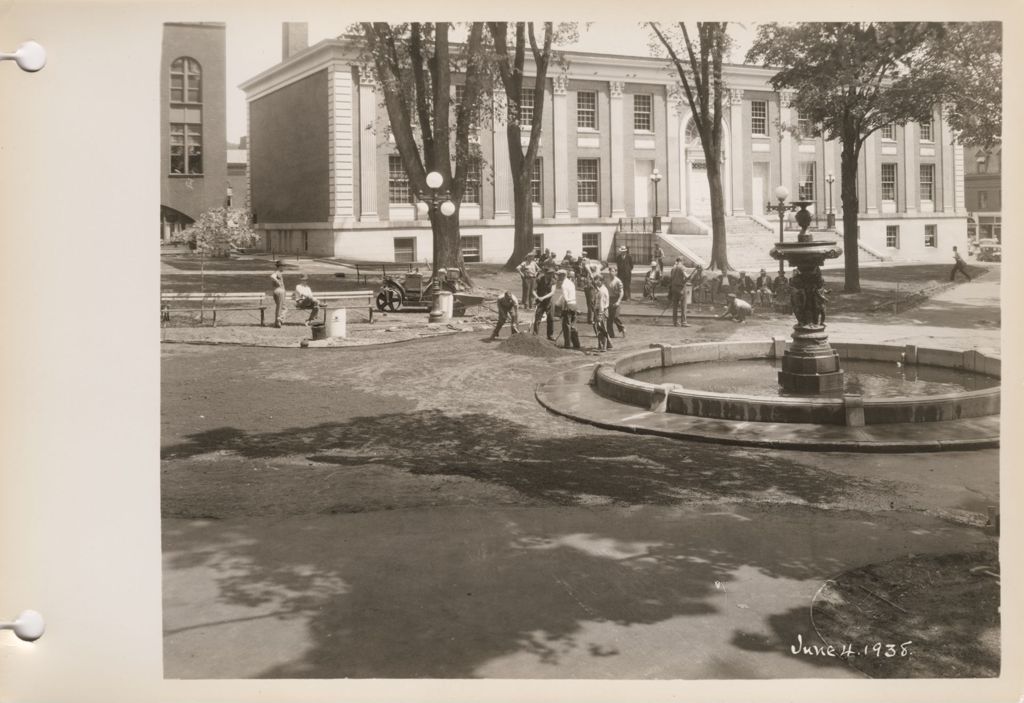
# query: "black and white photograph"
[[607, 353], [657, 350]]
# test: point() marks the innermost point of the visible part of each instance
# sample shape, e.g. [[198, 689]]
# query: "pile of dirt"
[[530, 345]]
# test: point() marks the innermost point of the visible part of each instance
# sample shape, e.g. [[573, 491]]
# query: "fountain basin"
[[615, 382]]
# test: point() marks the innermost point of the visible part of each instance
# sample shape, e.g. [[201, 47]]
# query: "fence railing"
[[636, 225]]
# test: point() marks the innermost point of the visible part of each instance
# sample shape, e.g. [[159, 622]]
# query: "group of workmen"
[[551, 289]]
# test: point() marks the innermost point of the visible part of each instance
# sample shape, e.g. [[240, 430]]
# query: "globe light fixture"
[[781, 193], [434, 180], [656, 220], [447, 208], [422, 209]]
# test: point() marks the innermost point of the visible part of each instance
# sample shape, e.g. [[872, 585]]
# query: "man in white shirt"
[[564, 297], [601, 314], [508, 311], [616, 294], [304, 299], [736, 309], [528, 271]]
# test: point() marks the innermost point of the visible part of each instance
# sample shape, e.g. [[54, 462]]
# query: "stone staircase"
[[748, 243]]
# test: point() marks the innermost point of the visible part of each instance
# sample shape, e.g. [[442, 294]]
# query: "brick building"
[[983, 183], [326, 179], [193, 131]]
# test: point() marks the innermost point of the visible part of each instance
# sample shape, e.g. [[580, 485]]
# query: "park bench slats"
[[212, 302]]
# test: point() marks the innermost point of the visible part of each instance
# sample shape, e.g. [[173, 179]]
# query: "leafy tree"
[[413, 64], [853, 78], [218, 231], [510, 71], [700, 76]]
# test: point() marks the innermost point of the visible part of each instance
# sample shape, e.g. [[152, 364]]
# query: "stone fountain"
[[810, 365]]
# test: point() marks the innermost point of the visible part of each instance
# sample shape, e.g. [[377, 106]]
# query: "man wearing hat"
[[615, 294], [508, 311], [624, 266], [545, 285], [736, 309], [304, 299], [528, 271], [600, 312], [563, 297], [279, 292], [677, 280]]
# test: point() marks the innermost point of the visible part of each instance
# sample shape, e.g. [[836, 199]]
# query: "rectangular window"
[[525, 107], [586, 110], [888, 181], [592, 245], [472, 192], [892, 236], [305, 240], [186, 149], [931, 236], [405, 250], [538, 243], [398, 182], [926, 131], [982, 200], [805, 187], [537, 181], [471, 249], [643, 113], [889, 132], [804, 127], [927, 181], [759, 117], [586, 180]]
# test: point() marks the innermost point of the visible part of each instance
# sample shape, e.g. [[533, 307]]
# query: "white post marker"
[[30, 57], [28, 627]]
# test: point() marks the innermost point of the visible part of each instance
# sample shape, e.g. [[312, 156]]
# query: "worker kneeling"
[[508, 311], [736, 309]]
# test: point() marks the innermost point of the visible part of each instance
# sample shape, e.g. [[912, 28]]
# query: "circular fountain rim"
[[601, 395]]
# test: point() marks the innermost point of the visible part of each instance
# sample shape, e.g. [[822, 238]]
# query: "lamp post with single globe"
[[782, 192], [830, 179], [656, 220], [439, 200]]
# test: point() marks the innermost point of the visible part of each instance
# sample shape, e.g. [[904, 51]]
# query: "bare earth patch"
[[916, 617]]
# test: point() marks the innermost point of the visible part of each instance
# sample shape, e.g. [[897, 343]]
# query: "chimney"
[[294, 38]]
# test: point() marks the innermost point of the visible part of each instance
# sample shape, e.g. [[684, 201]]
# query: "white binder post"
[[30, 57], [28, 627]]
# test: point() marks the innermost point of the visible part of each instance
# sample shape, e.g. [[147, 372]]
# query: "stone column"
[[560, 116], [502, 165], [946, 166], [911, 171], [615, 164], [958, 177], [786, 144], [873, 172], [736, 152], [674, 159], [367, 148], [341, 139]]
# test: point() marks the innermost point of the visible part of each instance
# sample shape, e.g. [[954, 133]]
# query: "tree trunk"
[[523, 237], [447, 248], [719, 255], [850, 209]]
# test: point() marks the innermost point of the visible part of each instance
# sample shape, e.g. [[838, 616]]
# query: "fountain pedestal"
[[810, 366]]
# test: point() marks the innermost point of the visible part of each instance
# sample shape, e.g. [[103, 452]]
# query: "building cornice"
[[591, 66]]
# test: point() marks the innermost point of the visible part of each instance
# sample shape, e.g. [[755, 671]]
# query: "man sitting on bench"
[[304, 299]]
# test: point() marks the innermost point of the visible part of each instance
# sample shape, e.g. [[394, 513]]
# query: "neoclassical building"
[[326, 179]]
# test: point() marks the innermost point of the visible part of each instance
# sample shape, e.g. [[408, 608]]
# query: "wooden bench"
[[365, 269], [211, 302]]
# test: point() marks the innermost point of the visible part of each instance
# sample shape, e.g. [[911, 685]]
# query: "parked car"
[[989, 250]]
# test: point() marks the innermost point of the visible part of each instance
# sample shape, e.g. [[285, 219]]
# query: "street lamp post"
[[781, 193], [830, 179], [435, 200], [656, 220]]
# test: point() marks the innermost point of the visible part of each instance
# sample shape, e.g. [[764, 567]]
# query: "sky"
[[254, 45]]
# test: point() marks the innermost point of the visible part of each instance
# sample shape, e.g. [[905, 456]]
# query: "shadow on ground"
[[304, 469]]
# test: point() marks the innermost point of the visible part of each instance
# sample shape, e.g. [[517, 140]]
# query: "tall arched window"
[[186, 117], [692, 135]]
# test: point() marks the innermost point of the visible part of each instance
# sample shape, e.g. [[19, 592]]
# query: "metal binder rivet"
[[29, 626], [30, 57]]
